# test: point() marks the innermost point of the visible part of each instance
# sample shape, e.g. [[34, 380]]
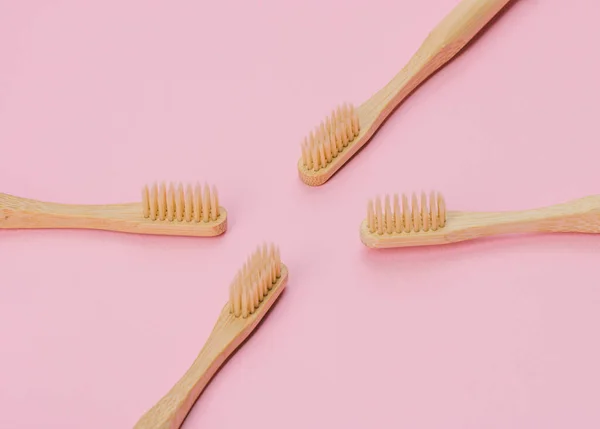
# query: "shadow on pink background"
[[97, 99]]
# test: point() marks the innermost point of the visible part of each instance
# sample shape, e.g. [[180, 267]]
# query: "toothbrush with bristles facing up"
[[424, 221], [253, 291], [164, 210], [340, 136]]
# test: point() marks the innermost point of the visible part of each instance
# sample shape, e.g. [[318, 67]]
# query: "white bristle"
[[330, 137], [254, 280], [402, 216], [180, 204]]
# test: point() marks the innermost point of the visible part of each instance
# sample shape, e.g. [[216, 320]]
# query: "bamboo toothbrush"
[[425, 222], [326, 149], [163, 211], [254, 289]]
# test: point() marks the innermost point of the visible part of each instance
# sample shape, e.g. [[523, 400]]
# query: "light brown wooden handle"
[[458, 28], [227, 335], [17, 212], [579, 216], [439, 47], [171, 410], [24, 213]]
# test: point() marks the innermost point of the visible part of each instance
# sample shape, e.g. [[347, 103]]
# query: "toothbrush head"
[[194, 210], [397, 221], [258, 281], [329, 145]]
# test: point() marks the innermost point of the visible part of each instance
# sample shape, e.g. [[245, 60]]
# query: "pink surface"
[[97, 99]]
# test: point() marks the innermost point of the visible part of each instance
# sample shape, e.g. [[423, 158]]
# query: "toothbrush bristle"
[[330, 138], [254, 281], [399, 216], [179, 204]]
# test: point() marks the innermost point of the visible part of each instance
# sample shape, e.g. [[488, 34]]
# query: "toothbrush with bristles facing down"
[[424, 221], [340, 136], [253, 291], [164, 210]]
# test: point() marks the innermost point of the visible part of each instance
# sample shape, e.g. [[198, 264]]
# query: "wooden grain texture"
[[577, 216], [227, 335], [23, 213], [442, 44]]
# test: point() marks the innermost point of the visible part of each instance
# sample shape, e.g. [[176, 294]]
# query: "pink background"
[[99, 98]]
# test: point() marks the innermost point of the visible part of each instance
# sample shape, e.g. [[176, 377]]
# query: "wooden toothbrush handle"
[[17, 213], [24, 213], [227, 335], [579, 216], [440, 46], [459, 27], [171, 410]]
